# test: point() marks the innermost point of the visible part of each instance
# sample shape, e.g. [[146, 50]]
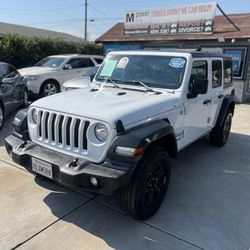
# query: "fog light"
[[93, 181]]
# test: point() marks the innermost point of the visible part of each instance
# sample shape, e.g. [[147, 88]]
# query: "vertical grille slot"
[[76, 135], [60, 128], [68, 131], [85, 142], [40, 123], [53, 124], [46, 118]]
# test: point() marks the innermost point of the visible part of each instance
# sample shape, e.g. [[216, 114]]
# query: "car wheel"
[[142, 197], [219, 135], [1, 116], [49, 88], [25, 98]]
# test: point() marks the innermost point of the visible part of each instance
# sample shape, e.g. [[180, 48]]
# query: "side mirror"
[[67, 66], [198, 86]]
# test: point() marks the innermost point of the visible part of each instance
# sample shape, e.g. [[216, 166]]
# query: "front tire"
[[49, 87], [25, 98], [219, 135], [143, 196]]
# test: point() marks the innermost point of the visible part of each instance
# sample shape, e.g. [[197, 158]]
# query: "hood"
[[35, 70], [110, 104], [80, 82]]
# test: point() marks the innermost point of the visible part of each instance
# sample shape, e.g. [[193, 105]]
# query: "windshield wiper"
[[110, 80], [145, 86]]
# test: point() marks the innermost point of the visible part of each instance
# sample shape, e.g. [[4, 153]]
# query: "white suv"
[[48, 75], [120, 133]]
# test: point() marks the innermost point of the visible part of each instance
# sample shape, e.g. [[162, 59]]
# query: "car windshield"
[[154, 71], [91, 71], [51, 62]]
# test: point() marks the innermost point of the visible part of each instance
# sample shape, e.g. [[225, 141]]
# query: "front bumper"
[[110, 176]]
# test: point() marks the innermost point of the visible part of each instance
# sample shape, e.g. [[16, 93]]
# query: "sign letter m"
[[130, 17]]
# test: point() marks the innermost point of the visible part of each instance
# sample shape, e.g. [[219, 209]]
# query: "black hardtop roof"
[[198, 54], [195, 53]]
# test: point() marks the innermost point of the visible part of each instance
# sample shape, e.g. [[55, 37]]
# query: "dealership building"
[[231, 38]]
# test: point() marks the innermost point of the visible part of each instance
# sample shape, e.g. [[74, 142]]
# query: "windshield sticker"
[[122, 63], [108, 67], [177, 63]]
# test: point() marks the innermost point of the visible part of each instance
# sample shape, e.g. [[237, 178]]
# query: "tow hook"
[[73, 163]]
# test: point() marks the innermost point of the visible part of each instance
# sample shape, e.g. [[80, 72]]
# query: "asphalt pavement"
[[207, 205]]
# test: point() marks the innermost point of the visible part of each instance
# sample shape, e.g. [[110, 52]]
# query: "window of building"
[[216, 74]]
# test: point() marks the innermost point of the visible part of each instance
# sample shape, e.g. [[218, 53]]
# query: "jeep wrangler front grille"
[[62, 130]]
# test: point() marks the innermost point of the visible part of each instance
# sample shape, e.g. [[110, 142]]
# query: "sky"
[[68, 16]]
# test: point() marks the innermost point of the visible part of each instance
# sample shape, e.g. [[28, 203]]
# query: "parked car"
[[150, 106], [81, 82], [13, 90], [47, 76]]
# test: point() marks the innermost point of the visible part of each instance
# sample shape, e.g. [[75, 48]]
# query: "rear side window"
[[216, 74], [78, 63], [228, 73], [98, 60], [199, 71]]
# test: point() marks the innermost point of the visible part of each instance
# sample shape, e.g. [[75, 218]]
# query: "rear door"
[[215, 89], [7, 89]]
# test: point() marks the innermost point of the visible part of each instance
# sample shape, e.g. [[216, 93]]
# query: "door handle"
[[220, 96], [207, 101]]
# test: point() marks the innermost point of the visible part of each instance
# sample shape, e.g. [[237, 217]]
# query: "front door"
[[197, 108]]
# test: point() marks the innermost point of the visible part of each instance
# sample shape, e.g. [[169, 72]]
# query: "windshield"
[[51, 62], [154, 71]]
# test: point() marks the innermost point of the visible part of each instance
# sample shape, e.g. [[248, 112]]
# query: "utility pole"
[[86, 20]]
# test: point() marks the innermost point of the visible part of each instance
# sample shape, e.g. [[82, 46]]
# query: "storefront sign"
[[195, 18]]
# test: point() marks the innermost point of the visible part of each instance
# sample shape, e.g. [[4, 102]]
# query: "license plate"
[[42, 167]]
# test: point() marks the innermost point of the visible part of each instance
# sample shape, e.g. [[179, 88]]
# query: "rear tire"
[[2, 116], [49, 87], [143, 196], [219, 135]]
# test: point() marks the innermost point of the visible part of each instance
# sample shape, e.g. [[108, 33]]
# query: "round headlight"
[[34, 115], [101, 132]]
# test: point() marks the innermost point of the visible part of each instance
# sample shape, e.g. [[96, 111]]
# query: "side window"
[[98, 60], [12, 72], [216, 74], [228, 73], [85, 63], [3, 71], [78, 63], [199, 71]]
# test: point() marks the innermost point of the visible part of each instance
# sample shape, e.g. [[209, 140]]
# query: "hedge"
[[26, 51]]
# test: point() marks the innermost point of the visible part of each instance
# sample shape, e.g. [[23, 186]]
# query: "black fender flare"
[[144, 136], [227, 103]]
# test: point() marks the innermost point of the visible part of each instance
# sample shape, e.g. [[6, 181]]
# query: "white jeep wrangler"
[[142, 108]]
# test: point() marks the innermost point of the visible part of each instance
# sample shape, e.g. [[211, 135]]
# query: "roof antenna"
[[227, 17]]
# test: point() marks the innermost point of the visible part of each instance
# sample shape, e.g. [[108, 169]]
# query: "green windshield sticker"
[[108, 68]]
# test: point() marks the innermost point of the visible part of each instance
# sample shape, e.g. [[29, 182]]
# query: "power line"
[[41, 10]]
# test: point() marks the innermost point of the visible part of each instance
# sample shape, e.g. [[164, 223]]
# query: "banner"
[[194, 18]]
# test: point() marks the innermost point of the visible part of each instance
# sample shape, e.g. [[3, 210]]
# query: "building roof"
[[222, 28], [7, 28]]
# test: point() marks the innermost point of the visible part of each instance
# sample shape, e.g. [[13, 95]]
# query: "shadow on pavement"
[[204, 203]]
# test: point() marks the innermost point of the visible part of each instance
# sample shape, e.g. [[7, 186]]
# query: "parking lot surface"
[[207, 205]]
